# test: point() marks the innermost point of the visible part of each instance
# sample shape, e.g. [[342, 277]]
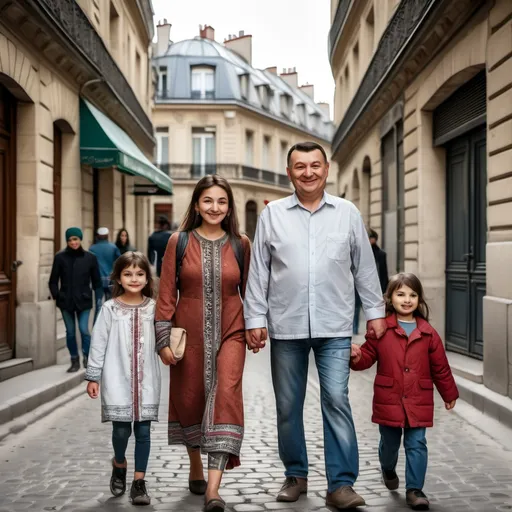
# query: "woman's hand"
[[355, 353], [93, 389], [167, 356], [449, 405]]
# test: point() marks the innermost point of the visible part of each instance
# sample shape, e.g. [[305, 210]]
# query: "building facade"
[[423, 141], [216, 114], [75, 137]]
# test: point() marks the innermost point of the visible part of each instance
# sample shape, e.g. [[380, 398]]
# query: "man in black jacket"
[[157, 243], [76, 270]]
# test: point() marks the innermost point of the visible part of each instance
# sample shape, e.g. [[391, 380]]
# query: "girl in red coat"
[[410, 360]]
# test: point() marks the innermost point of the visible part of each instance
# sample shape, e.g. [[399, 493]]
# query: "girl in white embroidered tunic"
[[124, 360]]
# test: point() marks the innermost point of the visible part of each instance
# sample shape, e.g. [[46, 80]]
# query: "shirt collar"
[[294, 201]]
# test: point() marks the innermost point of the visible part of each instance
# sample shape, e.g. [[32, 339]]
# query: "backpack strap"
[[238, 249], [180, 252]]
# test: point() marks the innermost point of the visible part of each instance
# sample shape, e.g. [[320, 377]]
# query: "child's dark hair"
[[410, 280], [129, 259]]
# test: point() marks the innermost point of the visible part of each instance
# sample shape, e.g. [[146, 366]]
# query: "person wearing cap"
[[74, 270], [107, 253], [157, 243]]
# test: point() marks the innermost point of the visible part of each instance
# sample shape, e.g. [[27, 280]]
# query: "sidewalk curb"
[[22, 422]]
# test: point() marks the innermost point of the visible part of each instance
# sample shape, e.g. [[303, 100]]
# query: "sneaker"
[[391, 480], [344, 497], [117, 480], [416, 499], [292, 489], [139, 494]]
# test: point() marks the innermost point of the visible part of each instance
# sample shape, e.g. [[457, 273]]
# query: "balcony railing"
[[337, 24], [228, 171]]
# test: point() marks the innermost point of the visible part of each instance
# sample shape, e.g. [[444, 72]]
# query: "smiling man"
[[310, 249]]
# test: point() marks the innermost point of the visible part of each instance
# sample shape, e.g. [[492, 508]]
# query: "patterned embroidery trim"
[[93, 374], [142, 305], [189, 436], [162, 334], [225, 438], [218, 461], [125, 413]]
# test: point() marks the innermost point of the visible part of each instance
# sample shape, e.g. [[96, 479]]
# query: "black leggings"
[[121, 432]]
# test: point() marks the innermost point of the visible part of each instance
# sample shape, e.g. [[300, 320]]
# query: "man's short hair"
[[163, 221], [372, 234], [305, 147]]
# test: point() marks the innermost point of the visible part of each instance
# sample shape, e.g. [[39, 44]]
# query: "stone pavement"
[[62, 461]]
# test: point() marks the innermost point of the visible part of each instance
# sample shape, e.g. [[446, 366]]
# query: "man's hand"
[[93, 389], [376, 328], [256, 339], [449, 405], [355, 353], [167, 356]]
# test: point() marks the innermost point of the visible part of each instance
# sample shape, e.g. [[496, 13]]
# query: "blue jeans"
[[83, 326], [289, 361], [416, 453], [121, 432]]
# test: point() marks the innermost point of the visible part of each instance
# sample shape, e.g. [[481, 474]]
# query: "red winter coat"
[[407, 370]]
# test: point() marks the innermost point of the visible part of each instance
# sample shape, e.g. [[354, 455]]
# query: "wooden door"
[[7, 225]]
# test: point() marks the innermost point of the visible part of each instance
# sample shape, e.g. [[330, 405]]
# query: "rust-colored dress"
[[205, 396]]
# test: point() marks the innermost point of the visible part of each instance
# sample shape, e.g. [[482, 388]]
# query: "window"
[[138, 71], [265, 94], [286, 103], [249, 148], [355, 55], [244, 86], [393, 197], [204, 156], [114, 30], [162, 82], [203, 83], [316, 122], [265, 157], [301, 114], [128, 57], [162, 146], [370, 32], [283, 155]]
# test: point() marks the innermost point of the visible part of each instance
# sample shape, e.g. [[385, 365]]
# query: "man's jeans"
[[289, 359], [83, 326], [416, 453]]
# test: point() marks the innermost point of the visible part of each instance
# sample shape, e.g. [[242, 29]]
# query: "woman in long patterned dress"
[[205, 397]]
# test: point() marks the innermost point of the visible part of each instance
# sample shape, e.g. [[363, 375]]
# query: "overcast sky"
[[285, 33]]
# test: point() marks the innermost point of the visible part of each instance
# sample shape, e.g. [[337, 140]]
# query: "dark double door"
[[466, 170]]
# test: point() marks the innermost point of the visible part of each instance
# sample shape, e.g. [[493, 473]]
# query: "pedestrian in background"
[[411, 359], [157, 243], [309, 250], [107, 253], [123, 241], [124, 360], [205, 396], [73, 272]]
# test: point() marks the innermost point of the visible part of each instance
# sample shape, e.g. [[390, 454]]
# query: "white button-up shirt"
[[303, 269]]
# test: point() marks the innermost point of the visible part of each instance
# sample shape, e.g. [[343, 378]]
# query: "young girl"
[[410, 360], [123, 358]]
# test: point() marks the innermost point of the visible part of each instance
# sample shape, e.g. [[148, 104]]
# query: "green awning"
[[104, 144]]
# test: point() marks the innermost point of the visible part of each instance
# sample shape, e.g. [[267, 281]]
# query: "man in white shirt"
[[310, 249]]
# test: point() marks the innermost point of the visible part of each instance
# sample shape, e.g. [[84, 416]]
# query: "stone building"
[[215, 113], [75, 137], [423, 109]]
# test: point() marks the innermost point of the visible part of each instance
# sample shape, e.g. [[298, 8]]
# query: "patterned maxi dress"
[[205, 396]]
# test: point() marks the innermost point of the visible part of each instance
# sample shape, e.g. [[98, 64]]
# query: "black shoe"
[[197, 486], [75, 365], [139, 494], [85, 362], [391, 480], [117, 480], [416, 499]]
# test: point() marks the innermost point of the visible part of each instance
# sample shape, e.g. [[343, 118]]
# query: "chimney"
[[309, 89], [272, 70], [207, 32], [291, 77], [325, 109], [163, 33], [242, 45]]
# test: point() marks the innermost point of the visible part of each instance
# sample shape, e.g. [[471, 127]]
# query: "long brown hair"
[[410, 280], [192, 218], [129, 259]]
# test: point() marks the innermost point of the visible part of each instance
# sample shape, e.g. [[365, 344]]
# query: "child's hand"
[[355, 353], [450, 405], [93, 389], [167, 356]]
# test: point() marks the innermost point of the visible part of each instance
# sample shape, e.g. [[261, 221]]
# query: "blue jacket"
[[106, 253]]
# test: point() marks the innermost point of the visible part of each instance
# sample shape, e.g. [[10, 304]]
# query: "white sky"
[[285, 33]]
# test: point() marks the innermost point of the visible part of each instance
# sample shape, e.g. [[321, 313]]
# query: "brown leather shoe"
[[292, 489], [416, 499], [344, 497]]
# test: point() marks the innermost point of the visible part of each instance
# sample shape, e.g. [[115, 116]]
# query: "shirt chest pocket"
[[338, 246]]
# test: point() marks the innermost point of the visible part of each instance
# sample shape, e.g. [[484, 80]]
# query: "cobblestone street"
[[62, 462]]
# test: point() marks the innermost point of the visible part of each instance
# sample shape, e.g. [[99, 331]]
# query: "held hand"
[[93, 389], [167, 356], [355, 353], [376, 328], [450, 405], [256, 339]]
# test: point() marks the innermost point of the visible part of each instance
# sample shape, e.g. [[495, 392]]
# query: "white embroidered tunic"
[[123, 359]]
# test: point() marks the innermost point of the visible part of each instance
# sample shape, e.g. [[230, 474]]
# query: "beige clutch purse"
[[178, 342]]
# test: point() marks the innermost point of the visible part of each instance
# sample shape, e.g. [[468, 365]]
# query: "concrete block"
[[411, 162], [411, 251], [499, 214], [26, 148], [499, 12], [411, 180], [27, 198], [499, 108], [411, 215], [499, 77], [499, 190], [43, 288], [45, 123], [45, 177], [411, 233], [411, 198], [500, 137], [46, 227], [496, 311], [45, 203], [499, 164], [499, 44], [28, 225], [45, 151], [411, 141], [46, 253]]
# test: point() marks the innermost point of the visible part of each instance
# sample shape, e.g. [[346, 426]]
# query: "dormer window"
[[265, 94], [162, 82], [203, 82], [301, 114], [244, 86], [286, 104]]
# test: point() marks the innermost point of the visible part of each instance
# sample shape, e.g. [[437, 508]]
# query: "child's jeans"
[[121, 432], [416, 453]]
